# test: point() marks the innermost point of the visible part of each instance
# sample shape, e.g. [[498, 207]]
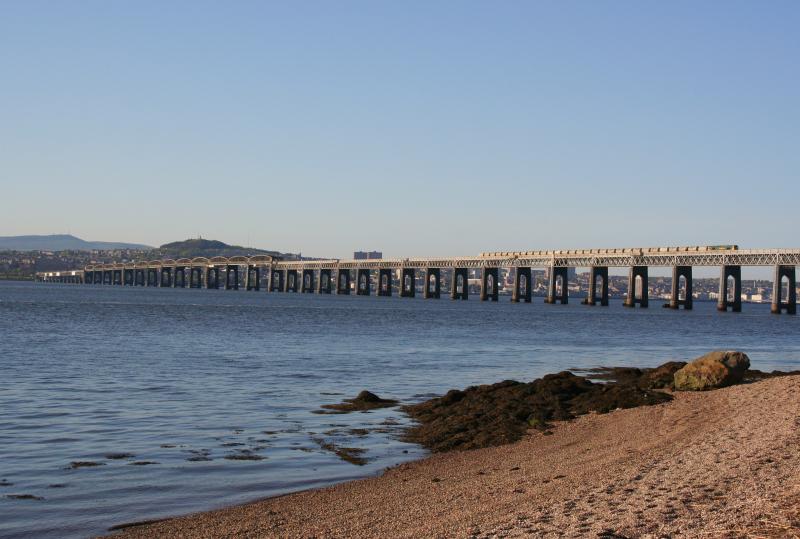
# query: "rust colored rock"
[[716, 369]]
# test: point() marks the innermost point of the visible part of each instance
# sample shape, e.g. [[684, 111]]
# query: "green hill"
[[208, 248]]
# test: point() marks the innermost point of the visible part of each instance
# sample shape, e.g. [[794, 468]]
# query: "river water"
[[214, 391]]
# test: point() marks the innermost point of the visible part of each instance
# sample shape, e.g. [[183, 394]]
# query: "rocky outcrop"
[[363, 402], [716, 369], [488, 415]]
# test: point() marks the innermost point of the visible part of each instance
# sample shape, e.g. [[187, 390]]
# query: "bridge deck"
[[686, 256]]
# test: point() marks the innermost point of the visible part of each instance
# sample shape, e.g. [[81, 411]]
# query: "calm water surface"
[[193, 380]]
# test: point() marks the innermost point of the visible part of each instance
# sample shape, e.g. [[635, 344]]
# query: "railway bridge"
[[340, 276]]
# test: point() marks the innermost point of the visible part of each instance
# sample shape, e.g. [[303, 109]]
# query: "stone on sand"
[[716, 369]]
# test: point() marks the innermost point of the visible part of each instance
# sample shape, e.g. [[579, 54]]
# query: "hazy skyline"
[[414, 129]]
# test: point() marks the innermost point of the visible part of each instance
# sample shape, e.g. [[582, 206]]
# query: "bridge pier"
[[232, 270], [343, 281], [675, 301], [433, 283], [522, 285], [489, 288], [97, 277], [558, 274], [362, 282], [152, 277], [735, 303], [459, 288], [127, 277], [779, 302], [277, 280], [138, 277], [308, 281], [324, 285], [212, 277], [165, 272], [598, 273], [637, 274], [408, 283], [385, 282], [195, 277], [180, 277], [253, 279], [291, 281]]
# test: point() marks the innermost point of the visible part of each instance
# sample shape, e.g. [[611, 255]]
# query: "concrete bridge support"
[[343, 281], [787, 302], [385, 282], [138, 277], [675, 300], [522, 285], [195, 277], [637, 287], [558, 285], [127, 277], [232, 277], [212, 277], [291, 281], [152, 277], [459, 288], [277, 280], [165, 279], [253, 279], [179, 280], [433, 283], [408, 283], [735, 302], [489, 287], [97, 277], [598, 279], [308, 281], [362, 282], [324, 285], [108, 277]]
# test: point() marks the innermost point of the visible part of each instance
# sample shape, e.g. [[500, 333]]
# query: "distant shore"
[[718, 463]]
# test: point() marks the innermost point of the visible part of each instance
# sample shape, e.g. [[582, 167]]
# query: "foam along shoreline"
[[717, 463]]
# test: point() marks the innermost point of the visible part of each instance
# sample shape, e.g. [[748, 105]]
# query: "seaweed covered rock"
[[716, 369], [495, 414], [364, 401], [660, 377]]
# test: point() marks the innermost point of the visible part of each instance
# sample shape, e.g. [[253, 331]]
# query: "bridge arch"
[[559, 285], [682, 287], [731, 289]]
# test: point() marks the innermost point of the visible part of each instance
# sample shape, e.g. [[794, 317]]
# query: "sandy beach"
[[723, 463]]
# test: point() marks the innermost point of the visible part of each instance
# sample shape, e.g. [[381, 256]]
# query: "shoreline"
[[723, 462]]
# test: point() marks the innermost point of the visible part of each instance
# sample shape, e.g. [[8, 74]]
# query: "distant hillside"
[[61, 242], [207, 248]]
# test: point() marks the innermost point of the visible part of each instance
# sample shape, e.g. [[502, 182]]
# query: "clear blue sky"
[[415, 128]]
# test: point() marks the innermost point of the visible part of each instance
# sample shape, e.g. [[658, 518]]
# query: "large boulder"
[[719, 368]]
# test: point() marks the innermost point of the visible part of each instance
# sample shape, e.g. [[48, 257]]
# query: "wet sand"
[[724, 463]]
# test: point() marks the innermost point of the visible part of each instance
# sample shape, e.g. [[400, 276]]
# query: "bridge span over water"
[[326, 276]]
